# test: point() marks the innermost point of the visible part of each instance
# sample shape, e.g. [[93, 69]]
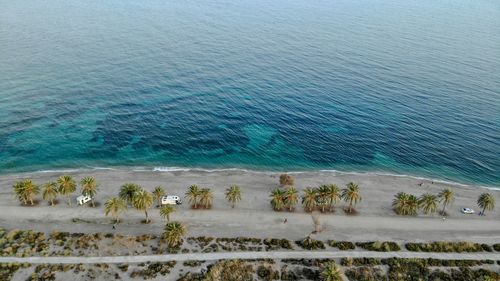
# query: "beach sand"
[[253, 216]]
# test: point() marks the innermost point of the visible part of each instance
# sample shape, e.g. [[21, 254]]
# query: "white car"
[[467, 211], [171, 200], [83, 199]]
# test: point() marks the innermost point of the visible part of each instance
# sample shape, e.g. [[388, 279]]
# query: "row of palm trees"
[[409, 204], [131, 194], [26, 190], [323, 197], [203, 197]]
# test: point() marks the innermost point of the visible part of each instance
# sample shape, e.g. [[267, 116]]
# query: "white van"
[[83, 199], [171, 200]]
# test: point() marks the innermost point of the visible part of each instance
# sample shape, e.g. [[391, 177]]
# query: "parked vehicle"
[[83, 199], [171, 200], [467, 211]]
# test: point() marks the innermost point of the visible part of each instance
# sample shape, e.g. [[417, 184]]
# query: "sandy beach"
[[253, 216]]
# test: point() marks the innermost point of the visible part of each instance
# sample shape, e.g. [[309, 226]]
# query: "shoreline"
[[167, 169]]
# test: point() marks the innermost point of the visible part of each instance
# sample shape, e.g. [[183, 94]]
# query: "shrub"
[[379, 246], [487, 247], [267, 273], [235, 270], [365, 273], [276, 244], [402, 270], [342, 245], [192, 263], [152, 270], [286, 179], [466, 274], [7, 270], [445, 247], [496, 247], [310, 244], [123, 267], [360, 261]]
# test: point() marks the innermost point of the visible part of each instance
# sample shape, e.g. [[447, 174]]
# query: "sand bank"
[[254, 216]]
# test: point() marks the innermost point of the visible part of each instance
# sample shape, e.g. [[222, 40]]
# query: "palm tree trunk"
[[444, 207], [51, 202], [484, 209], [31, 200], [69, 200], [147, 219]]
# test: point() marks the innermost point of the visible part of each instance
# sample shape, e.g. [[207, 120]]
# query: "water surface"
[[409, 87]]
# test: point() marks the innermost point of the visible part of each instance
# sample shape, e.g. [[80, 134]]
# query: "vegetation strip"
[[250, 256]]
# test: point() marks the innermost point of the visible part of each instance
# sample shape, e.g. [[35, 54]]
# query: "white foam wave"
[[166, 169]]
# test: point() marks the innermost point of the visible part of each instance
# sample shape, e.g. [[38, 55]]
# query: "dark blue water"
[[409, 87]]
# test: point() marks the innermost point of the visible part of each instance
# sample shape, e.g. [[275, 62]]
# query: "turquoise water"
[[407, 87]]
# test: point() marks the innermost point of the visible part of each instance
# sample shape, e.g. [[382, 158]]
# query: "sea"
[[407, 87]]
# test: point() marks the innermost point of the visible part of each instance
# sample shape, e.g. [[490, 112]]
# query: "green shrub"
[[360, 261], [276, 244], [152, 270], [192, 263], [496, 247], [403, 270], [445, 247], [267, 273], [379, 246], [365, 273], [234, 270], [342, 245], [123, 267], [310, 244], [487, 247], [288, 275]]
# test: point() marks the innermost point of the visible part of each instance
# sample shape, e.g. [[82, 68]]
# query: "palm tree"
[[428, 203], [25, 190], [331, 272], [89, 188], [333, 195], [486, 201], [206, 198], [233, 195], [192, 194], [19, 192], [447, 197], [173, 233], [67, 186], [322, 197], [400, 203], [115, 206], [351, 195], [291, 197], [411, 205], [49, 192], [309, 199], [165, 211], [143, 201], [128, 191], [277, 199], [158, 192]]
